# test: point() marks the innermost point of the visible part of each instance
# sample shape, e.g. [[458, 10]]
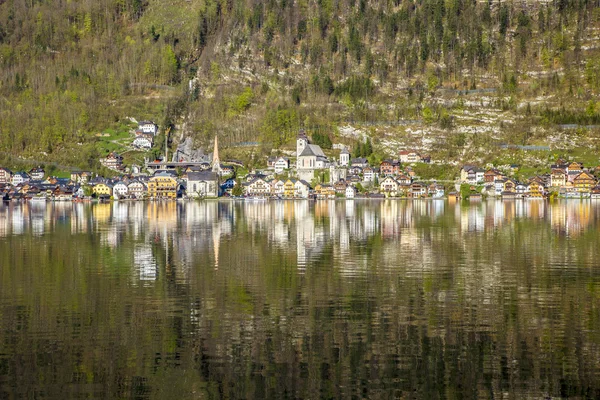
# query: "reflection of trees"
[[394, 298]]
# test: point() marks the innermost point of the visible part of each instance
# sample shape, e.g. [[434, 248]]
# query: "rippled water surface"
[[297, 299]]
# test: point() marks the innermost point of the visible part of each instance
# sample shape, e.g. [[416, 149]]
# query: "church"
[[310, 157]]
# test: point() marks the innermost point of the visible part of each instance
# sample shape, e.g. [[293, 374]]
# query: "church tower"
[[301, 143], [216, 162]]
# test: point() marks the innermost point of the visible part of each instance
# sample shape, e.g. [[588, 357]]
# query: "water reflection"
[[430, 299]]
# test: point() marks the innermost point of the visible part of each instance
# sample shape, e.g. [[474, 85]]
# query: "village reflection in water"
[[334, 298]]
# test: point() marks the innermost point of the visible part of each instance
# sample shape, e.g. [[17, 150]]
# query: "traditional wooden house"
[[584, 182], [289, 188]]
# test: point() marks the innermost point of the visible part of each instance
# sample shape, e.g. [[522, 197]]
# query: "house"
[[271, 161], [162, 185], [520, 190], [148, 127], [535, 190], [584, 182], [344, 157], [369, 174], [574, 167], [403, 180], [5, 175], [289, 188], [37, 174], [301, 189], [143, 142], [359, 162], [202, 184], [389, 168], [355, 170], [324, 191], [417, 190], [113, 161], [558, 178], [277, 187], [227, 170], [350, 192], [103, 189], [595, 193], [81, 176], [19, 178], [464, 172], [509, 186], [137, 189], [389, 186], [282, 164], [120, 190], [228, 185], [491, 175], [436, 191], [340, 187], [258, 187], [410, 157]]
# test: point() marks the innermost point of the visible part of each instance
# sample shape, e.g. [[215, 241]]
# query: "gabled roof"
[[312, 150], [202, 176]]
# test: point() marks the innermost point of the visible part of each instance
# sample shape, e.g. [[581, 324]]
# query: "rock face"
[[186, 153]]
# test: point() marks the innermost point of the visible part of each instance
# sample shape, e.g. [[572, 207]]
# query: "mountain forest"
[[464, 81]]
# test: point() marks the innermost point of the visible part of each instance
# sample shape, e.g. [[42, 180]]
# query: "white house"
[[281, 164], [301, 189], [277, 187], [369, 174], [37, 173], [202, 184], [389, 186], [136, 189], [18, 178], [258, 187], [350, 192], [148, 127], [120, 190], [142, 142], [410, 157]]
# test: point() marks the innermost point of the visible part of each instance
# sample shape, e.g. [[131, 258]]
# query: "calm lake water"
[[297, 299]]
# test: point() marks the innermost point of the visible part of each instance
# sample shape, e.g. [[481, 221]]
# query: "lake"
[[297, 299]]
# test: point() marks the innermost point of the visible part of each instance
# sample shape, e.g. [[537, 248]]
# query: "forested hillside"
[[454, 78]]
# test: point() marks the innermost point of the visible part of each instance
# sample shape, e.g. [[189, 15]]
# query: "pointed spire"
[[216, 163]]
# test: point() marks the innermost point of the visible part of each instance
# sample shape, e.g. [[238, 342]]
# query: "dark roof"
[[202, 176]]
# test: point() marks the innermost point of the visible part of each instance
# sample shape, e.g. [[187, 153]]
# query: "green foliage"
[[322, 140], [280, 125], [242, 102], [237, 190]]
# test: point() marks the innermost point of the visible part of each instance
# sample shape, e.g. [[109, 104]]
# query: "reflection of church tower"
[[216, 163]]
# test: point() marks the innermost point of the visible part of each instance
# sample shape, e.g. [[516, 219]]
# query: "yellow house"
[[289, 188], [162, 185], [536, 190], [102, 189], [325, 191], [510, 186], [583, 182]]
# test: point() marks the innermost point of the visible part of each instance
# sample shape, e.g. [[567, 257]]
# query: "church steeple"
[[216, 162]]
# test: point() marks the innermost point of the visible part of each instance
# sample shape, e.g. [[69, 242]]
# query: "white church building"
[[310, 157]]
